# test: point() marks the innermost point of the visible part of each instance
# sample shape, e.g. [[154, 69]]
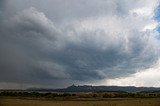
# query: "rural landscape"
[[82, 96], [79, 52]]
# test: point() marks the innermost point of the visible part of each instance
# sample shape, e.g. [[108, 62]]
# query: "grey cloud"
[[61, 11], [45, 47]]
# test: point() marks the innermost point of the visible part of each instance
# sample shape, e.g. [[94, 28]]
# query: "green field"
[[107, 102]]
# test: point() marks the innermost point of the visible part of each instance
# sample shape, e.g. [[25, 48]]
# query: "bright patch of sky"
[[157, 18]]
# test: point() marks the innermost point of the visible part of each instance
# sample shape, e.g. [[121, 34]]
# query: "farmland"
[[79, 99], [107, 102]]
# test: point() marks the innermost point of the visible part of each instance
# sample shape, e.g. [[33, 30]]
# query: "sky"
[[57, 43]]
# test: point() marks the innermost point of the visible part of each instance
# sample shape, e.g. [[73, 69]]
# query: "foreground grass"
[[107, 102]]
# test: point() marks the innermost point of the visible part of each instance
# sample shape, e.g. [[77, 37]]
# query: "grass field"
[[107, 102]]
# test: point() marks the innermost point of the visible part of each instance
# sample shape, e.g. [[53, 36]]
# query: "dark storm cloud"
[[2, 4], [50, 42]]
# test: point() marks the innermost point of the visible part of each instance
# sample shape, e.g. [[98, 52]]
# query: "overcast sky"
[[55, 43]]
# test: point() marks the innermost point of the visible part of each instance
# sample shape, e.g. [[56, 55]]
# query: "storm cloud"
[[56, 43]]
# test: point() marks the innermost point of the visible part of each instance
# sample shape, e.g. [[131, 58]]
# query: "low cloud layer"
[[45, 43], [148, 77]]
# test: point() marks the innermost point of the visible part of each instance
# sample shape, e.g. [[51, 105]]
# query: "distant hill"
[[88, 88]]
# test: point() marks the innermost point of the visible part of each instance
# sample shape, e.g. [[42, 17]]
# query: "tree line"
[[81, 95]]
